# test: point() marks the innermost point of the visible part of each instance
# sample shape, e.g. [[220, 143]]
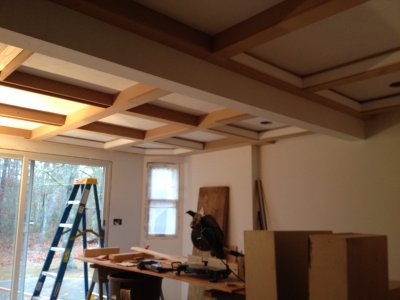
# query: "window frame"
[[147, 202]]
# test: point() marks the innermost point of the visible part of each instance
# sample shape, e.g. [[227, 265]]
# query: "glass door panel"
[[50, 185], [10, 179]]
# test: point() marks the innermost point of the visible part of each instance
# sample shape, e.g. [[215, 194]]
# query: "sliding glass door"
[[50, 184], [32, 200]]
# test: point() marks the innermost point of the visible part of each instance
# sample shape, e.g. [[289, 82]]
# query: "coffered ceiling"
[[182, 77]]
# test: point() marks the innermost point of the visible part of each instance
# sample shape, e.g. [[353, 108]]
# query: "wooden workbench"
[[228, 285]]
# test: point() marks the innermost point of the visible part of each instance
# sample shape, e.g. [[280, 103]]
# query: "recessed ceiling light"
[[265, 122], [395, 84]]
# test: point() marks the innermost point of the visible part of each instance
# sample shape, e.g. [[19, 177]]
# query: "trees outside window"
[[48, 184]]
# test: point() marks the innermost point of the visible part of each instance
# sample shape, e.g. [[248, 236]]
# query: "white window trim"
[[145, 211]]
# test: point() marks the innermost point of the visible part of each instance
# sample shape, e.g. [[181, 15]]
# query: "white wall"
[[318, 182], [125, 186], [231, 168]]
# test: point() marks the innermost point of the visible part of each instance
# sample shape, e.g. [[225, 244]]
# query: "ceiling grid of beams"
[[231, 48]]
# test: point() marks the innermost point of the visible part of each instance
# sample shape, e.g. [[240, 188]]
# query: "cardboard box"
[[276, 264], [348, 267]]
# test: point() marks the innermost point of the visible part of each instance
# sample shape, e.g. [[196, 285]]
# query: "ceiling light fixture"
[[395, 84], [265, 122]]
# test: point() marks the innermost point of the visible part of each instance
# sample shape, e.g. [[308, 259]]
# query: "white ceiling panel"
[[209, 16], [89, 135], [372, 88], [36, 101], [258, 124], [126, 120], [64, 71], [201, 136], [344, 38], [186, 104], [77, 142], [155, 146], [20, 124]]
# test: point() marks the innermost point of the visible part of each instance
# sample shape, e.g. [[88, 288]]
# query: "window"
[[162, 199]]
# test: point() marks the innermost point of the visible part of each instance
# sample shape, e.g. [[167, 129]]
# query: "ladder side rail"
[[54, 243], [99, 224], [71, 239], [84, 246]]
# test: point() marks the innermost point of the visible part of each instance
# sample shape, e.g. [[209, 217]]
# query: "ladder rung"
[[74, 202], [65, 225], [49, 274], [57, 249]]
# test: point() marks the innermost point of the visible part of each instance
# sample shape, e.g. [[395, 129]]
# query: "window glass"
[[162, 198], [10, 180], [163, 183]]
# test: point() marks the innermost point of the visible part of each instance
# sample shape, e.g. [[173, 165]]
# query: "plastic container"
[[134, 286]]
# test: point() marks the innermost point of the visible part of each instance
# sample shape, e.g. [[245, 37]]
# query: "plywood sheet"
[[212, 201]]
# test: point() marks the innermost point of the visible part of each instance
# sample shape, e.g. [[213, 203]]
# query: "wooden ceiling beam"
[[59, 89], [31, 115], [119, 144], [116, 130], [275, 22], [281, 133], [237, 131], [225, 143], [15, 62], [137, 94], [15, 131], [221, 117], [143, 21], [165, 131], [158, 113]]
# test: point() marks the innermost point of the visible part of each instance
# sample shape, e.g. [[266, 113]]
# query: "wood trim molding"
[[165, 131], [377, 65], [119, 144], [15, 132], [14, 63], [182, 143], [221, 117], [237, 131], [266, 68]]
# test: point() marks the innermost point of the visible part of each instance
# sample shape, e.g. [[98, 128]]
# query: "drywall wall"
[[231, 168], [319, 182], [125, 194]]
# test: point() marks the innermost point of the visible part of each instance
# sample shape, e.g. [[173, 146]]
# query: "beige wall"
[[318, 182]]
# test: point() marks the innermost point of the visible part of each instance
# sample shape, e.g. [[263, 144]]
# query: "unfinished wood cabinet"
[[276, 264], [348, 267]]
